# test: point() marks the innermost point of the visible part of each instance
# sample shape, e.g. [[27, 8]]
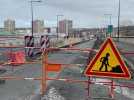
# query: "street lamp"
[[110, 17], [110, 21], [32, 12], [58, 24], [118, 34]]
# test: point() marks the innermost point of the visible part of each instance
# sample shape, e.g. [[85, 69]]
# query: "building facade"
[[38, 26], [65, 26], [9, 25]]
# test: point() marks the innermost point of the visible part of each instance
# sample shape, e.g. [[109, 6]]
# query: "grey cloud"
[[83, 12], [82, 6]]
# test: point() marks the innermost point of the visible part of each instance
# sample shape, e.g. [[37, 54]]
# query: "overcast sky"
[[84, 13]]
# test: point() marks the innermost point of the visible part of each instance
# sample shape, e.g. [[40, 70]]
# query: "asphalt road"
[[22, 89], [77, 91], [129, 58]]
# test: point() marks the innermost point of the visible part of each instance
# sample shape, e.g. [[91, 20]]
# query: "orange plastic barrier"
[[17, 58], [53, 67]]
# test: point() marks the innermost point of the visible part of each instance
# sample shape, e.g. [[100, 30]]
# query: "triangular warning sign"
[[108, 63]]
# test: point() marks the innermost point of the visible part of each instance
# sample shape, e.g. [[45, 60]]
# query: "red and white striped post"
[[112, 89]]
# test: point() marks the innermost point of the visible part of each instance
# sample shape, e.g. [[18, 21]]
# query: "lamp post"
[[110, 18], [118, 33], [32, 12], [58, 24], [110, 21]]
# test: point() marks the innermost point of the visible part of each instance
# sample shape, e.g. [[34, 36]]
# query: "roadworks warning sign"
[[108, 63]]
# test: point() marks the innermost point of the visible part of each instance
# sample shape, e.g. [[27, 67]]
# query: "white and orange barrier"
[[17, 58]]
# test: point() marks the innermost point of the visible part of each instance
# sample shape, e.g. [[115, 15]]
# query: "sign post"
[[109, 30], [108, 63]]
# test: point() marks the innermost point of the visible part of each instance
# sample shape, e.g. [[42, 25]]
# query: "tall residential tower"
[[38, 26], [65, 26], [9, 25]]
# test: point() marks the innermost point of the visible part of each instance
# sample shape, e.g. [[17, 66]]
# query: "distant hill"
[[125, 30]]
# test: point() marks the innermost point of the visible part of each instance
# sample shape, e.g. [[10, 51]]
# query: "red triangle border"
[[125, 75]]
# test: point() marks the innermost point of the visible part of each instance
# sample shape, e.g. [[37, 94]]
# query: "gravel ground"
[[78, 91], [58, 90]]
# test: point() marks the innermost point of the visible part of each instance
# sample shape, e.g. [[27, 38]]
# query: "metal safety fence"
[[48, 67]]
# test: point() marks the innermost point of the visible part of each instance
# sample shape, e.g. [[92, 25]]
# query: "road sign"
[[110, 29], [108, 63]]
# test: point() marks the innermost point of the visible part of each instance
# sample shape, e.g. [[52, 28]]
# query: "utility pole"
[[118, 33], [110, 22], [110, 18], [32, 12]]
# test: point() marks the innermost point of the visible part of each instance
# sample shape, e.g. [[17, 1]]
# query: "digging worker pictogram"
[[104, 62]]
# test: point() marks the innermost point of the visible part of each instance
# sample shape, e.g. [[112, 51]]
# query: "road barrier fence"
[[48, 67]]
